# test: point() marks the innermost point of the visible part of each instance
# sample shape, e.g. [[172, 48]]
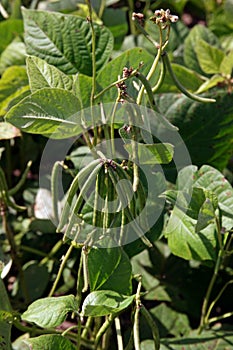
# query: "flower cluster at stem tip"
[[164, 18]]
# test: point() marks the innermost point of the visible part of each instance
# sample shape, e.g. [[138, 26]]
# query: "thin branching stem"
[[204, 311], [216, 299], [93, 39], [153, 67]]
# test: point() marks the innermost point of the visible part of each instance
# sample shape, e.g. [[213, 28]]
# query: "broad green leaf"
[[170, 322], [50, 112], [61, 5], [5, 326], [51, 311], [227, 65], [188, 203], [191, 228], [192, 201], [185, 242], [14, 54], [82, 89], [188, 78], [42, 75], [214, 340], [206, 129], [213, 180], [160, 153], [108, 266], [220, 24], [209, 57], [50, 342], [210, 83], [105, 302], [9, 30], [13, 83], [67, 40], [4, 300], [80, 157], [13, 99], [114, 69], [19, 343], [206, 215], [197, 33], [8, 131]]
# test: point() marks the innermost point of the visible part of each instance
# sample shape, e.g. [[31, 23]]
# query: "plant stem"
[[114, 84], [33, 250], [93, 39], [52, 252], [146, 35], [79, 334], [131, 23], [87, 139], [218, 318], [216, 299], [153, 67], [36, 331], [204, 320], [8, 163]]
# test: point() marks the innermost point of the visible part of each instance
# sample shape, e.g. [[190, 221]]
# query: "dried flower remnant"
[[139, 17], [164, 18], [127, 72]]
